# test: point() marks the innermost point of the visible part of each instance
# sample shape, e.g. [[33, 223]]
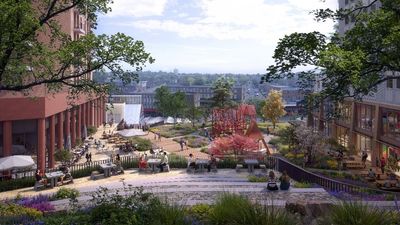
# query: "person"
[[119, 164], [181, 143], [87, 157], [383, 164], [364, 158], [371, 174], [90, 157], [159, 136], [67, 174], [39, 178], [191, 162], [271, 176], [285, 181], [268, 132], [212, 162], [377, 162], [164, 162], [117, 157], [142, 162]]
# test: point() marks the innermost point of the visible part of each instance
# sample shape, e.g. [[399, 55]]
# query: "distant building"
[[290, 95]]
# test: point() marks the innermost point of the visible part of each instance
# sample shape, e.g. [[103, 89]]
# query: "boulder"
[[312, 209]]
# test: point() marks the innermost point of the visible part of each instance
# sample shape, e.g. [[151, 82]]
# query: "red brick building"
[[40, 123]]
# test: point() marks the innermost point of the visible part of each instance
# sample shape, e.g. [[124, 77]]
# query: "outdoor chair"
[[38, 186], [95, 175], [239, 167]]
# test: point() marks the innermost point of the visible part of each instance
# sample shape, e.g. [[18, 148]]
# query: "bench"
[[38, 186], [95, 175], [263, 167], [239, 167]]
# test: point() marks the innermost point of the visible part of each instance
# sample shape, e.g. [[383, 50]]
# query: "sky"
[[212, 36]]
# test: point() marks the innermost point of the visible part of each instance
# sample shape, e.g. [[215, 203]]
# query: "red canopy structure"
[[240, 120]]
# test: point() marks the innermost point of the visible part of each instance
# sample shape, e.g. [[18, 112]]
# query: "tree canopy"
[[170, 104], [348, 65], [27, 61], [222, 96], [273, 108]]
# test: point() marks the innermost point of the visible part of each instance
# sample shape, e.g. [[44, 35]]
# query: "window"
[[365, 116], [391, 124], [389, 83], [342, 136], [346, 2], [344, 110], [398, 83]]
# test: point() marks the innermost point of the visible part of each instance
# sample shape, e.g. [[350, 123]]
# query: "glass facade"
[[342, 136], [391, 152], [365, 117], [344, 110], [391, 124], [364, 143]]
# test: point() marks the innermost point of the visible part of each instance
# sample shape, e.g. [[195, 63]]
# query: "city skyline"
[[212, 36]]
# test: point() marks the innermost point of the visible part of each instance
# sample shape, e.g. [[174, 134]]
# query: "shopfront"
[[391, 124], [391, 153], [364, 143]]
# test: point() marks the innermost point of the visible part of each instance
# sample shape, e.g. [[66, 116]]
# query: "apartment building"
[[372, 124], [40, 123]]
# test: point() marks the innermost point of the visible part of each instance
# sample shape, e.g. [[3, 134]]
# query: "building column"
[[41, 144], [376, 146], [83, 116], [73, 127], [60, 129], [7, 138], [52, 137], [67, 124], [96, 113], [104, 110], [91, 113], [79, 123]]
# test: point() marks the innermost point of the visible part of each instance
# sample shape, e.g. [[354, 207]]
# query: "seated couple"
[[211, 163], [284, 179]]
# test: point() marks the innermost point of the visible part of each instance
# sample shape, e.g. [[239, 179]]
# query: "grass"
[[194, 141], [302, 185], [169, 131], [257, 179]]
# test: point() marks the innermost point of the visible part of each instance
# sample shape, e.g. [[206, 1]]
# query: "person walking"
[[383, 164], [90, 157], [181, 143], [364, 158], [87, 157]]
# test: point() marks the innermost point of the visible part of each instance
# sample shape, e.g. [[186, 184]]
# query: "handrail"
[[300, 174]]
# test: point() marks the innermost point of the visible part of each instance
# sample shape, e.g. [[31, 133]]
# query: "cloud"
[[244, 19], [137, 8]]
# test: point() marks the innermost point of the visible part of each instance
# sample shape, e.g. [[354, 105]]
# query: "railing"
[[300, 174]]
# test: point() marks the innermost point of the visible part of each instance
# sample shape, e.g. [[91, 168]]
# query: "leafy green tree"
[[194, 114], [63, 155], [348, 65], [222, 96], [170, 104], [59, 62]]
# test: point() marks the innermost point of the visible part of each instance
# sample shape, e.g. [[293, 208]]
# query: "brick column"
[[41, 144], [79, 123], [60, 131], [7, 138], [67, 124], [104, 111], [73, 127], [83, 116], [95, 106], [91, 113], [52, 137]]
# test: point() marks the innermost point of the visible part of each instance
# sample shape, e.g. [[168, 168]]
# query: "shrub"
[[332, 164], [256, 179], [273, 141], [62, 155], [112, 214], [66, 193], [204, 150], [63, 218], [14, 211], [302, 185], [39, 202], [235, 209], [13, 184], [200, 212], [91, 130], [142, 144], [356, 213]]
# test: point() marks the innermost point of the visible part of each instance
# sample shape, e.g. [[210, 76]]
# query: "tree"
[[259, 104], [194, 114], [349, 65], [27, 62], [169, 104], [222, 96], [233, 145], [63, 155], [274, 108], [309, 141]]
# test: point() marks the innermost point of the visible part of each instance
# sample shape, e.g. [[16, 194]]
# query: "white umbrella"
[[131, 132], [16, 162]]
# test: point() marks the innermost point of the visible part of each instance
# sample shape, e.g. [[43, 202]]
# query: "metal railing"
[[302, 175]]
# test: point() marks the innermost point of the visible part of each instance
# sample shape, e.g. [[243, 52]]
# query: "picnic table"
[[250, 164], [153, 163], [107, 168], [53, 177], [201, 163]]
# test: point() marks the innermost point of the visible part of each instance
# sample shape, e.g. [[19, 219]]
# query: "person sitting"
[[371, 174], [271, 176], [67, 175], [164, 162], [212, 163], [285, 181], [39, 178], [191, 162], [142, 163], [387, 184]]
